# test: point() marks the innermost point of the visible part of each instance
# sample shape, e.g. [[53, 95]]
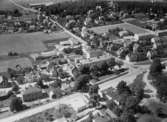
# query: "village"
[[83, 61]]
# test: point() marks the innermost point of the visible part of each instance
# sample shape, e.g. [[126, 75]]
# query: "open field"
[[4, 65], [27, 43], [127, 26], [7, 5], [58, 1]]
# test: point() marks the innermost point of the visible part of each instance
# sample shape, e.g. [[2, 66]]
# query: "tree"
[[111, 62], [81, 82], [57, 83], [94, 99], [57, 93], [94, 70], [16, 104], [15, 88], [162, 92], [148, 118], [137, 87], [93, 89], [122, 87], [156, 67], [41, 84], [131, 102], [111, 104], [66, 111], [84, 69], [139, 93], [17, 13], [127, 117], [67, 50], [103, 67], [123, 98]]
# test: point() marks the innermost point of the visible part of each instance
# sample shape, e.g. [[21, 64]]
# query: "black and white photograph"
[[83, 60]]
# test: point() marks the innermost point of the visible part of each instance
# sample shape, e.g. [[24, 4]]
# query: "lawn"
[[138, 23], [5, 64], [127, 26], [27, 42]]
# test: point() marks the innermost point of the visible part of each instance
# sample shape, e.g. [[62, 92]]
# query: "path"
[[149, 86]]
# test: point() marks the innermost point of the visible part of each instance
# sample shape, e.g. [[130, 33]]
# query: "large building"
[[33, 93]]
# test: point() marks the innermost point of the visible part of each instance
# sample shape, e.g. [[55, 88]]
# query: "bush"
[[156, 67], [81, 82], [79, 7], [16, 104]]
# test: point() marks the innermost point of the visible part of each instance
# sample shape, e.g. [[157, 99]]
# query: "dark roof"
[[112, 93], [96, 53], [32, 90]]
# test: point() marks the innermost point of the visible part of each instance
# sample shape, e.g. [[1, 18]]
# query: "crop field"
[[127, 26], [27, 43]]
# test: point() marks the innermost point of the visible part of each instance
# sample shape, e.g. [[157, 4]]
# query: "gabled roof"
[[32, 90]]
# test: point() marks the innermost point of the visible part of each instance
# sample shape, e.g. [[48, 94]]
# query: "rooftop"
[[32, 90]]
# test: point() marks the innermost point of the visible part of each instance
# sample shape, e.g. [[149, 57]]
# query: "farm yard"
[[27, 43], [126, 26]]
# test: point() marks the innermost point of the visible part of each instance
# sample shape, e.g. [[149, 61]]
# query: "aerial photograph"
[[83, 60]]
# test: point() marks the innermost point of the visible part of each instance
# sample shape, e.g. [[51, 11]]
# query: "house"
[[84, 32], [33, 94], [94, 53], [111, 94], [123, 33], [143, 36]]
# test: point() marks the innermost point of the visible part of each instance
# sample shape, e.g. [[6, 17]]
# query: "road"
[[41, 108], [133, 72]]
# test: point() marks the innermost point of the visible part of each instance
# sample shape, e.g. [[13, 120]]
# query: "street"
[[33, 111]]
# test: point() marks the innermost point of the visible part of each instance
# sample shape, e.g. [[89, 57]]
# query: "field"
[[26, 2], [4, 65], [127, 26], [27, 43], [7, 5]]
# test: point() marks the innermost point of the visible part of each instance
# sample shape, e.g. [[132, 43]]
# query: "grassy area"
[[138, 81], [137, 23], [5, 64], [51, 43], [27, 42], [7, 5], [127, 26]]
